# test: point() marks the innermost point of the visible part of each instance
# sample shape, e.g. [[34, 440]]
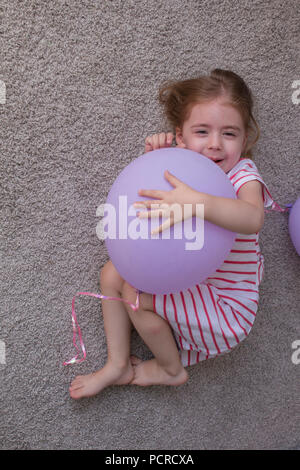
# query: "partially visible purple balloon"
[[294, 225], [157, 265]]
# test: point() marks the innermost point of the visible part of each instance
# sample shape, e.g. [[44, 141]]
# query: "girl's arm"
[[243, 215]]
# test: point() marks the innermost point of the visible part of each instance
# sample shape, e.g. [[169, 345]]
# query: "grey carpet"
[[81, 82]]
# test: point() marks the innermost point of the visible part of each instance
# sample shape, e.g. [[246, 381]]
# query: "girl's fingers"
[[162, 227], [170, 138], [151, 214], [162, 210], [162, 140], [148, 145], [172, 179], [143, 204], [157, 141], [155, 193], [151, 143], [156, 210]]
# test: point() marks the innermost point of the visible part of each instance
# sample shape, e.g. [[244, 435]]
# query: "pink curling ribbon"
[[276, 207], [76, 328]]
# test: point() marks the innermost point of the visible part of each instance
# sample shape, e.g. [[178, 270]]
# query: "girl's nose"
[[214, 141]]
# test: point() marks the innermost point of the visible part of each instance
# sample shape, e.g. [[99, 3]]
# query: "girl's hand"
[[158, 141], [169, 204]]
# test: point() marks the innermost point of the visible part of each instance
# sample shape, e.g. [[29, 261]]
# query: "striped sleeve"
[[243, 172]]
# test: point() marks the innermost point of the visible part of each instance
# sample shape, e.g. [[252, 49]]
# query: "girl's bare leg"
[[118, 368], [166, 367]]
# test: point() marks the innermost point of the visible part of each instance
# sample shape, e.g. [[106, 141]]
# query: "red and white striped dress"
[[212, 318]]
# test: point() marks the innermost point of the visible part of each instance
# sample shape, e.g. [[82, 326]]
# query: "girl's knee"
[[109, 277], [129, 293], [150, 321]]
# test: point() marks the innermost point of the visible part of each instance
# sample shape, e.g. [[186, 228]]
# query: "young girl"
[[211, 115]]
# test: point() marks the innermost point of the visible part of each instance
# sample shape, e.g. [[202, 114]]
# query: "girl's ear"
[[179, 138]]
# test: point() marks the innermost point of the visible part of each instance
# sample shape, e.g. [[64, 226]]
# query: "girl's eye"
[[202, 132], [230, 133]]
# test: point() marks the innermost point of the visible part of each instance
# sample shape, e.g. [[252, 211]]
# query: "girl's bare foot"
[[151, 373], [91, 384]]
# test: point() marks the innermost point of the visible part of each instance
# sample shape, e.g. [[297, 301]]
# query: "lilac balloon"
[[157, 265], [294, 225]]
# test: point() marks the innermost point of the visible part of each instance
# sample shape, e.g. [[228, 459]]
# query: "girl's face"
[[216, 130]]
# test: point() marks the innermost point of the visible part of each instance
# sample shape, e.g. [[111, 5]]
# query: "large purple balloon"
[[157, 265], [294, 225]]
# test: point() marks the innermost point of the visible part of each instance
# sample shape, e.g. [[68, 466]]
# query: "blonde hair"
[[177, 98]]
